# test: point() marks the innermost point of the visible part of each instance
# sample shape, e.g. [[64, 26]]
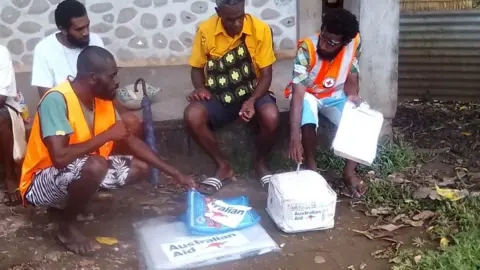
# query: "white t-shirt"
[[8, 85], [53, 63]]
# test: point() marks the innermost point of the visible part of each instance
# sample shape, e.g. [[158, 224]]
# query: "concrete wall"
[[309, 17], [138, 32], [379, 27]]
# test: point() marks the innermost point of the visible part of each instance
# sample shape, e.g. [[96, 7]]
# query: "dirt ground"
[[28, 239]]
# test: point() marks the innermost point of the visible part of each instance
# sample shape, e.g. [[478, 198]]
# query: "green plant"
[[391, 157]]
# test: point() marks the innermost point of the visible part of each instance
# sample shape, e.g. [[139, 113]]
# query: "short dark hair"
[[341, 22], [67, 10], [93, 59], [222, 3]]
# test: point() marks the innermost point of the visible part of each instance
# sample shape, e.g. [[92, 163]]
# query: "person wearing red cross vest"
[[325, 76]]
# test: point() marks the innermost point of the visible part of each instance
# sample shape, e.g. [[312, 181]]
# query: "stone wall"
[[138, 32]]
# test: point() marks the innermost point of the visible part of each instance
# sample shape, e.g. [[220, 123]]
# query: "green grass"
[[391, 157], [463, 255], [459, 222]]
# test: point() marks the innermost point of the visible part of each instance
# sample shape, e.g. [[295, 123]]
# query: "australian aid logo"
[[226, 214], [188, 250]]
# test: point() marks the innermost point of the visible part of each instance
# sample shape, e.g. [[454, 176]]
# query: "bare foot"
[[224, 172], [75, 241], [261, 169], [354, 186], [12, 196]]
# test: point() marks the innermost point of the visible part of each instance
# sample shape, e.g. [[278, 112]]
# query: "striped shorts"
[[50, 186]]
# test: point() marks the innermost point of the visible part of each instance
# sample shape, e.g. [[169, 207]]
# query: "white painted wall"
[[379, 28]]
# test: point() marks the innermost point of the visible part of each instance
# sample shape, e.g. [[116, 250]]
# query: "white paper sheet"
[[226, 214]]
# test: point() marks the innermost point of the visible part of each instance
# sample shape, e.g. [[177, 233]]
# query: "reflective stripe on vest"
[[319, 70], [37, 157]]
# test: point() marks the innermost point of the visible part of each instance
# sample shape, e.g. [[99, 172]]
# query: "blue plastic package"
[[198, 224]]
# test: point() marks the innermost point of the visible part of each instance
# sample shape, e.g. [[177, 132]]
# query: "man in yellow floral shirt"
[[231, 61]]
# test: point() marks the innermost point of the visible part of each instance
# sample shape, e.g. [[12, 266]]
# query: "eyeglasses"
[[330, 42]]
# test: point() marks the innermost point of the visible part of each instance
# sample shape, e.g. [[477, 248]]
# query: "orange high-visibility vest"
[[37, 157], [327, 76]]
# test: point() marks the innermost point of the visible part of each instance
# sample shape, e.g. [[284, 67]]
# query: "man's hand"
[[200, 94], [118, 131], [355, 99], [186, 181], [248, 110], [296, 150]]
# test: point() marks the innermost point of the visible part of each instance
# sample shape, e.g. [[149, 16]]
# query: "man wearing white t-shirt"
[[55, 57], [8, 104]]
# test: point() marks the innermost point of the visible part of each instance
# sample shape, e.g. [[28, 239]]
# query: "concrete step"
[[237, 142]]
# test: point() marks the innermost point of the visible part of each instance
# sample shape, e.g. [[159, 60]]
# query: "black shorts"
[[219, 115]]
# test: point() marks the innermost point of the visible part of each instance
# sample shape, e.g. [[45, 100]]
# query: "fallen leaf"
[[319, 259], [418, 223], [395, 178], [381, 211], [397, 218], [388, 227], [395, 260], [424, 215], [444, 242], [466, 133], [362, 266], [417, 259], [447, 181], [365, 233], [377, 252], [390, 240], [461, 172], [450, 194], [422, 193], [106, 240]]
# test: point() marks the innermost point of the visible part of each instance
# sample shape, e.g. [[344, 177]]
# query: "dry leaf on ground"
[[424, 192], [106, 240], [362, 266], [388, 227], [398, 217], [444, 243], [450, 194], [365, 233], [424, 215], [381, 211], [418, 223]]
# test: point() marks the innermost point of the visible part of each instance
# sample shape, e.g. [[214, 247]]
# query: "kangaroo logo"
[[216, 244]]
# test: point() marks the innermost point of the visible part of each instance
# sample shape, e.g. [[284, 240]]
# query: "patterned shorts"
[[50, 186], [330, 107]]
